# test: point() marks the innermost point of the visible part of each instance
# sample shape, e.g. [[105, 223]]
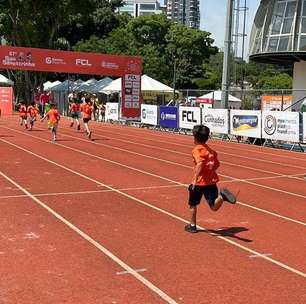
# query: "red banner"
[[204, 100], [33, 59], [6, 100]]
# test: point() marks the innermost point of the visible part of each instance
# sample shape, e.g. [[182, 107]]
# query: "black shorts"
[[74, 115], [210, 193], [86, 120]]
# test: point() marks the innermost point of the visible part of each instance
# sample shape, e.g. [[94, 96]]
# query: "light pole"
[[227, 52], [174, 77]]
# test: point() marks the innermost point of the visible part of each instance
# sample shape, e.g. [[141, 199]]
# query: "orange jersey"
[[32, 111], [22, 110], [210, 163], [53, 116], [86, 110], [74, 108]]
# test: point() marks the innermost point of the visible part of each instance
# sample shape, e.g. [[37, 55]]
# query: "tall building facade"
[[141, 7], [186, 12]]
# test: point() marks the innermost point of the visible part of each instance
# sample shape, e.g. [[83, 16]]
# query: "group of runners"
[[205, 159], [29, 115]]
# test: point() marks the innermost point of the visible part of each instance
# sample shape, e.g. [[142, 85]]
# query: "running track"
[[102, 221]]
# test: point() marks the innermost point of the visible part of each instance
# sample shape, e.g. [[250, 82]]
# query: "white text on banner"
[[149, 114], [280, 125], [245, 123], [216, 120], [189, 117], [111, 111]]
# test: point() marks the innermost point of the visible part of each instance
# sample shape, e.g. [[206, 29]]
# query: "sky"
[[213, 14]]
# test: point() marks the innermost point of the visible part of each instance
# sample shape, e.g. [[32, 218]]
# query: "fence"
[[254, 126]]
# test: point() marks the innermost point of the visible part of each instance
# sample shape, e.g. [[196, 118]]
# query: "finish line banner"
[[45, 60], [281, 125]]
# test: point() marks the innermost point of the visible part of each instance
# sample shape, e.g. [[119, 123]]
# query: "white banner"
[[304, 127], [149, 114], [189, 117], [280, 125], [216, 120], [245, 123], [111, 111]]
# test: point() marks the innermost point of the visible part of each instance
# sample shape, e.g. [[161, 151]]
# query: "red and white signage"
[[127, 67], [6, 100]]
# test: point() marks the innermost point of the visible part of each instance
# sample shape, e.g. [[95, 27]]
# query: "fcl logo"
[[83, 62]]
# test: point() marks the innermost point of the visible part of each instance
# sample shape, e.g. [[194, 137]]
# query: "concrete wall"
[[299, 82]]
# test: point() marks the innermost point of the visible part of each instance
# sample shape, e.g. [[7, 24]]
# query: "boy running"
[[23, 114], [33, 111], [205, 178], [74, 110], [86, 109], [53, 119]]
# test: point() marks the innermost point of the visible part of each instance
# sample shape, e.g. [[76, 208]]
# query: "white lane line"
[[175, 182], [90, 191], [85, 236], [218, 144], [142, 202], [258, 256], [127, 272]]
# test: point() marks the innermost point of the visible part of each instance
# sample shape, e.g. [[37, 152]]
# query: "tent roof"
[[147, 84], [99, 85], [4, 80], [216, 95], [48, 85]]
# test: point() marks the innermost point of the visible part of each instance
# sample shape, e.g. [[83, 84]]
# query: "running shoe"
[[89, 135], [79, 128], [191, 228], [71, 125], [228, 196]]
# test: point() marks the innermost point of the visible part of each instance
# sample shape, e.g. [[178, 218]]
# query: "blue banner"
[[168, 117]]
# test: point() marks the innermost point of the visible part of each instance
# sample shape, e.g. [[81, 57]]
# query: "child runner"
[[33, 111], [23, 114], [74, 110], [205, 178], [53, 119], [86, 109]]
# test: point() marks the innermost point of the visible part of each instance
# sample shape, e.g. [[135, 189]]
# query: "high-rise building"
[[141, 7], [186, 12]]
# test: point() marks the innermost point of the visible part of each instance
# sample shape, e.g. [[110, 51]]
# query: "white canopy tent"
[[6, 81], [48, 85], [217, 96], [147, 84]]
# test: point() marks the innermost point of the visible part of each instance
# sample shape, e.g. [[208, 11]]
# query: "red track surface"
[[70, 209]]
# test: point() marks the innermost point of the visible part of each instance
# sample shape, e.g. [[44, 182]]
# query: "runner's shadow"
[[4, 136], [230, 232], [37, 130]]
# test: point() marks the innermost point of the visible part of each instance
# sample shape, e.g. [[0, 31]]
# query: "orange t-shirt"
[[86, 110], [53, 116], [32, 111], [210, 162], [22, 111], [74, 108]]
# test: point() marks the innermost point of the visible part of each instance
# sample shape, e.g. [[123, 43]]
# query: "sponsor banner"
[[245, 123], [204, 100], [112, 111], [130, 96], [189, 117], [216, 120], [280, 125], [34, 59], [149, 114], [304, 127], [6, 100], [168, 117], [275, 102]]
